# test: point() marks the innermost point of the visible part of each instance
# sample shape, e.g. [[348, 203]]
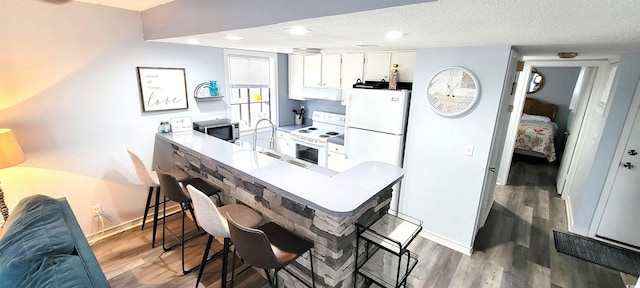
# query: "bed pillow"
[[537, 118]]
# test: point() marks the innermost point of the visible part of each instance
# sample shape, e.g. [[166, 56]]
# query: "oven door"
[[313, 153]]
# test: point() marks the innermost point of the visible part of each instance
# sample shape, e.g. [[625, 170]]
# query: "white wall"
[[442, 186], [69, 90]]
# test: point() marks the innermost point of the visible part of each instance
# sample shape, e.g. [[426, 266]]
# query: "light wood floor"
[[514, 249]]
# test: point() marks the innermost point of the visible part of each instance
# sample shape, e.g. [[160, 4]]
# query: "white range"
[[311, 142]]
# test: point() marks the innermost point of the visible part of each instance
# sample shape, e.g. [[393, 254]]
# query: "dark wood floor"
[[514, 249]]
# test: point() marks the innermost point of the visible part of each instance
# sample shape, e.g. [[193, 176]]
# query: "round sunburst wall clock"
[[453, 91]]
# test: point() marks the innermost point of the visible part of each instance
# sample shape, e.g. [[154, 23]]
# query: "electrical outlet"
[[97, 209]]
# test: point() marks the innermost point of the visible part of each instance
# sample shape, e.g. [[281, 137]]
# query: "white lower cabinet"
[[335, 157], [284, 144]]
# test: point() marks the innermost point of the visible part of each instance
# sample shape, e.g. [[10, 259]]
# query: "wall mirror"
[[536, 82]]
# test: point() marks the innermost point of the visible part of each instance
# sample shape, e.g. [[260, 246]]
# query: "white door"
[[621, 213], [378, 110], [362, 145], [584, 87], [498, 141]]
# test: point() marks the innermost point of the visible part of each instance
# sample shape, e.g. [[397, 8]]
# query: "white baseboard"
[[447, 243], [134, 223]]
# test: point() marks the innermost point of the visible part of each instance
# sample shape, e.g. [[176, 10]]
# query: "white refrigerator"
[[375, 127]]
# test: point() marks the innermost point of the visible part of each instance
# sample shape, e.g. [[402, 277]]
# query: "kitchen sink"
[[286, 158], [271, 154], [298, 163]]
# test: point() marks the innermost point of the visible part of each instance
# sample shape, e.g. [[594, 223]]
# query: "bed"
[[537, 130]]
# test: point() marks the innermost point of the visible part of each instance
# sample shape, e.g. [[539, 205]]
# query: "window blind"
[[249, 72]]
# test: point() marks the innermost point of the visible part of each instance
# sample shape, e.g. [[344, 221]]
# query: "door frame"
[[518, 103], [634, 110]]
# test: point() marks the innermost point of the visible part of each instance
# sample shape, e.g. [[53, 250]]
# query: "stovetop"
[[325, 125]]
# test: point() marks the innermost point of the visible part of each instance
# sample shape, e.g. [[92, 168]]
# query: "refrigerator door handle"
[[346, 131], [346, 143]]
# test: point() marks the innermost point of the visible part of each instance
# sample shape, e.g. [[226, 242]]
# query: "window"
[[251, 78]]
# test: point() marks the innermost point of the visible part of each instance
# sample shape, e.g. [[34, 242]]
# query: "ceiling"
[[533, 27], [136, 5]]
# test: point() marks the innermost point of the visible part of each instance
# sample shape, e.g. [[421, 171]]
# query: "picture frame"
[[162, 88], [181, 124]]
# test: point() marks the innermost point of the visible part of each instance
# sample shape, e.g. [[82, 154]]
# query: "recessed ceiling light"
[[367, 45], [395, 35], [298, 30], [233, 37]]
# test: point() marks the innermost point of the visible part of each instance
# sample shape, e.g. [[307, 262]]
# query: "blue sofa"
[[42, 245]]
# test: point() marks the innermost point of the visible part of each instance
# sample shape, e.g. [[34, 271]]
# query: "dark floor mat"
[[598, 252]]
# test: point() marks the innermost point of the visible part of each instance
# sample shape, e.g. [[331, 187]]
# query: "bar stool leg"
[[155, 217], [233, 268], [146, 207], [225, 262], [313, 277], [204, 259]]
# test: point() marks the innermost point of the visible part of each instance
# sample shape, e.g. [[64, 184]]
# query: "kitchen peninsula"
[[318, 206]]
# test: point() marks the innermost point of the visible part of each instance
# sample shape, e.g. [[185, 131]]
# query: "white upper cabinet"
[[322, 71], [296, 70], [406, 61], [352, 70], [331, 64], [378, 66], [312, 71], [341, 71]]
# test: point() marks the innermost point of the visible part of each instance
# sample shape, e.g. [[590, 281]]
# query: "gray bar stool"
[[269, 247], [175, 191], [150, 179], [212, 221]]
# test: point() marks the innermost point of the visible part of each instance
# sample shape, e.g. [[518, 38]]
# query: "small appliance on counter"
[[225, 129], [382, 85]]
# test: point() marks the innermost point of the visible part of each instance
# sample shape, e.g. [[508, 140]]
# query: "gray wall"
[[559, 83], [285, 105], [442, 186]]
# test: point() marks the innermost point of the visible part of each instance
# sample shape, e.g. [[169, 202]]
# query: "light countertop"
[[335, 194]]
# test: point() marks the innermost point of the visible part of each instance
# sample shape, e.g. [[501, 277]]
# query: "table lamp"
[[10, 154]]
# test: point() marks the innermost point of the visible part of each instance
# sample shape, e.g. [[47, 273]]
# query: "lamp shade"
[[10, 152]]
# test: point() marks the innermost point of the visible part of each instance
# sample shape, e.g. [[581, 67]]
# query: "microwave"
[[224, 129]]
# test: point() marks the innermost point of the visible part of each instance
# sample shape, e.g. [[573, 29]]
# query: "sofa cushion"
[[35, 229], [58, 271]]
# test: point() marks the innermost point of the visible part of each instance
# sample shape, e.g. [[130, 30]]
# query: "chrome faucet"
[[272, 143]]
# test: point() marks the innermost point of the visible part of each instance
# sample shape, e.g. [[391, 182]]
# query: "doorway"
[[590, 80]]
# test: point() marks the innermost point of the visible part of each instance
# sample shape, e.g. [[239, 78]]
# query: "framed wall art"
[[162, 88]]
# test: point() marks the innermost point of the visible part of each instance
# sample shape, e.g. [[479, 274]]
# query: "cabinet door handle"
[[627, 165]]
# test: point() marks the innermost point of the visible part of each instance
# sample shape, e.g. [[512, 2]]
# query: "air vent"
[[306, 51]]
